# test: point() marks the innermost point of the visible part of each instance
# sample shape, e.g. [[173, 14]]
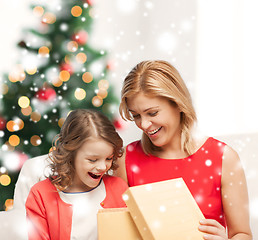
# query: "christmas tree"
[[59, 71]]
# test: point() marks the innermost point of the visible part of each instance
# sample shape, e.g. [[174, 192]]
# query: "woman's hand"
[[212, 230]]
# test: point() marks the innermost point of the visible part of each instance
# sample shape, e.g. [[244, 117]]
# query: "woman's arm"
[[235, 196], [235, 202], [121, 170]]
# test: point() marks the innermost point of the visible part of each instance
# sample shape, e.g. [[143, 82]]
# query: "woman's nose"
[[145, 123]]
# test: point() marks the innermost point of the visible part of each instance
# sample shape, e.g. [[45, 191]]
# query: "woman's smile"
[[154, 132]]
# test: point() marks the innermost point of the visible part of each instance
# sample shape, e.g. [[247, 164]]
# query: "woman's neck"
[[175, 151]]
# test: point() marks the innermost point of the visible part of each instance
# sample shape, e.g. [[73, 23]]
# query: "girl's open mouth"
[[95, 176]]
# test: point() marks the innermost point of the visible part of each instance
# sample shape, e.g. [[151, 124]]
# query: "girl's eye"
[[92, 160], [109, 159]]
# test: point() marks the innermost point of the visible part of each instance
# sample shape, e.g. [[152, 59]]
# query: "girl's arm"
[[235, 202], [36, 218]]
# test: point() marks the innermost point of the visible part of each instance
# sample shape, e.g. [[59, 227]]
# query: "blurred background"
[[212, 43]]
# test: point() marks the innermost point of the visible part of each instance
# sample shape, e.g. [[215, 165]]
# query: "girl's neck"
[[74, 188]]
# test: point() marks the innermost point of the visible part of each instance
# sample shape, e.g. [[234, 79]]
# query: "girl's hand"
[[212, 230]]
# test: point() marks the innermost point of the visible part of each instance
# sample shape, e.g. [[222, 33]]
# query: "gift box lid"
[[164, 210]]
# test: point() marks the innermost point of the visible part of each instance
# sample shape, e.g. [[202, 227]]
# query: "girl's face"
[[157, 118], [92, 160]]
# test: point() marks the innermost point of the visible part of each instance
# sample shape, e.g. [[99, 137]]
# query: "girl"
[[65, 205], [155, 97]]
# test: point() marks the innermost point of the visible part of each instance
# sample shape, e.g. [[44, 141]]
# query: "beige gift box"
[[158, 211], [116, 224]]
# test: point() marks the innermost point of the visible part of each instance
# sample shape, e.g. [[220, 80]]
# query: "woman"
[[156, 98]]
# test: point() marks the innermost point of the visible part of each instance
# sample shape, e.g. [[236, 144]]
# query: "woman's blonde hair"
[[160, 79], [79, 126]]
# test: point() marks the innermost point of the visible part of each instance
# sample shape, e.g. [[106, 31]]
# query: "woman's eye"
[[136, 116], [109, 159], [153, 113]]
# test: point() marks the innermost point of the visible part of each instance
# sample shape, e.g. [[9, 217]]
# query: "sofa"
[[13, 222]]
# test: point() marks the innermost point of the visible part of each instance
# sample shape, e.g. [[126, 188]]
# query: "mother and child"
[[154, 96]]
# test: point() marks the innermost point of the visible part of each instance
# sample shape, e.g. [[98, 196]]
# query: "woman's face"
[[158, 118], [92, 160]]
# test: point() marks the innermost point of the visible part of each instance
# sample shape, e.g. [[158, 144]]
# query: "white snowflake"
[[208, 162]]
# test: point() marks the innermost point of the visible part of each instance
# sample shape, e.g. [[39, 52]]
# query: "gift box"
[[164, 210], [116, 224]]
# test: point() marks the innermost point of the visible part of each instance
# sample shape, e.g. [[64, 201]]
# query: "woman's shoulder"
[[231, 158], [135, 149], [114, 180], [132, 145], [207, 142]]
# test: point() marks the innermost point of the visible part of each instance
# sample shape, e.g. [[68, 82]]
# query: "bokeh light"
[[26, 111], [49, 18], [20, 123], [2, 170], [87, 77], [80, 93], [10, 125], [38, 11], [68, 59], [61, 122], [35, 140], [24, 102], [12, 159], [102, 93], [72, 46], [35, 116], [14, 140], [76, 11], [5, 180], [8, 204], [57, 82], [97, 101], [104, 84], [32, 70], [4, 88], [64, 75], [43, 51], [81, 58], [15, 125], [17, 74]]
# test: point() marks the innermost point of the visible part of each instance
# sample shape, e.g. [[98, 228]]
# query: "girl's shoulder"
[[43, 186]]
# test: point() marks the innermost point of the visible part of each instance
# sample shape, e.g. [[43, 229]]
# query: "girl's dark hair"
[[80, 125]]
